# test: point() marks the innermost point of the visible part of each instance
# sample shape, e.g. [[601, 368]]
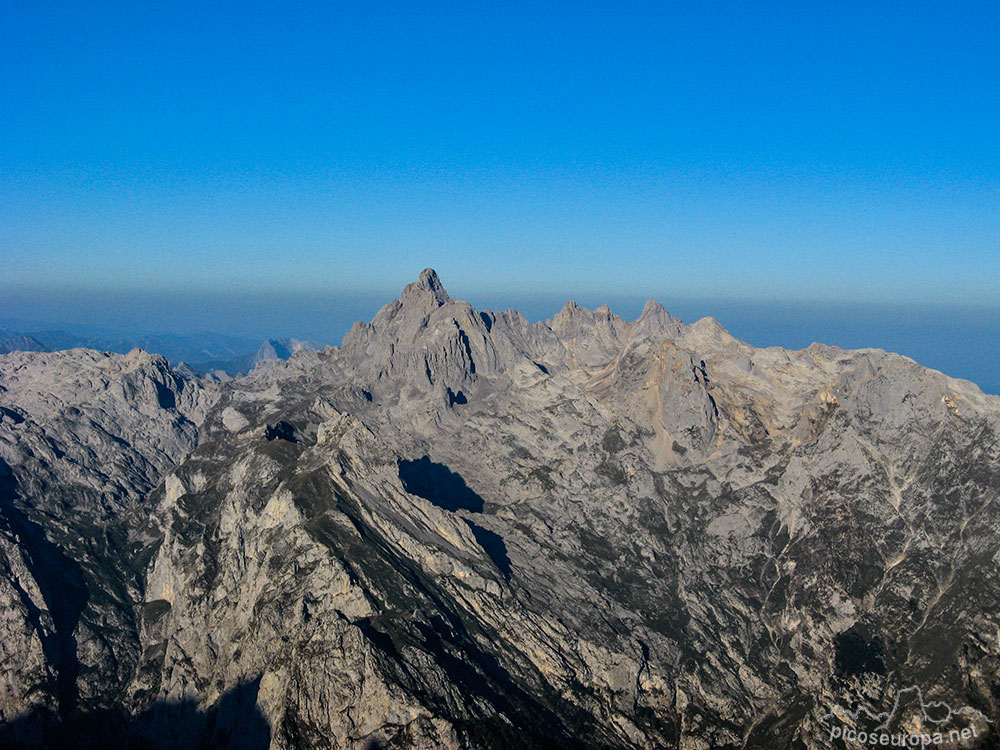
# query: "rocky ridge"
[[460, 529]]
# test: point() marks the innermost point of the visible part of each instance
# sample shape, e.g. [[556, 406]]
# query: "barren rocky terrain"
[[462, 530]]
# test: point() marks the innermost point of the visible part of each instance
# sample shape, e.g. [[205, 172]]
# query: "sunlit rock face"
[[462, 530]]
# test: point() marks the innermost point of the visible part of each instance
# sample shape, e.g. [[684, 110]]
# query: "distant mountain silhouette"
[[202, 352], [11, 341], [177, 348], [271, 350]]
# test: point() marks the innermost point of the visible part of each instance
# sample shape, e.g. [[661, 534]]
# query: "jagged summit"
[[427, 286], [417, 300], [426, 340], [425, 294], [462, 530]]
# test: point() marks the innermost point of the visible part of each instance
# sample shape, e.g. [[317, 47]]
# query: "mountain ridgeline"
[[220, 355], [463, 530]]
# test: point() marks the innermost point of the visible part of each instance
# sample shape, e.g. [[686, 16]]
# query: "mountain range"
[[459, 529], [202, 352]]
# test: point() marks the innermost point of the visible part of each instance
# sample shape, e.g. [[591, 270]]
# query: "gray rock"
[[463, 530]]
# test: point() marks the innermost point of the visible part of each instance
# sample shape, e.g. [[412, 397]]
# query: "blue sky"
[[766, 151]]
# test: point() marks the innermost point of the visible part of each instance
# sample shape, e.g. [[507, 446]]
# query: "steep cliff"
[[460, 529]]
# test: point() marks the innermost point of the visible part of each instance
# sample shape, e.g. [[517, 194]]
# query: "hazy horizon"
[[955, 339], [447, 534], [799, 172], [337, 148]]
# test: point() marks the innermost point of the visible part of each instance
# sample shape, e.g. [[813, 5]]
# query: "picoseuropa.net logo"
[[911, 722]]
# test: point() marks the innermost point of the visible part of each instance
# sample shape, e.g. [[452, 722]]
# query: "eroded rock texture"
[[461, 530]]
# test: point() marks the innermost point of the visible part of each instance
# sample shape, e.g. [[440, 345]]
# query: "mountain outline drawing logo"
[[886, 717]]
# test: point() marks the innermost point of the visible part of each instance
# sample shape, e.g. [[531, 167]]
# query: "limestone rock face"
[[84, 437], [462, 530]]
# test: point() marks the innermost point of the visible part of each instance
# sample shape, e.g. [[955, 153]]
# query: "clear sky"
[[845, 151]]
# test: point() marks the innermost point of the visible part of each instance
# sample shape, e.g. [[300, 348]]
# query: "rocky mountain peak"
[[139, 357], [406, 314], [656, 321], [467, 531], [422, 342], [427, 288], [573, 318], [708, 332], [652, 307]]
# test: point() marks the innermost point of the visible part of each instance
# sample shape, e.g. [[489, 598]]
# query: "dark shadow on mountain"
[[381, 640], [281, 430], [165, 397], [10, 414], [478, 673], [522, 716], [856, 654], [61, 583], [494, 546], [234, 723], [438, 484]]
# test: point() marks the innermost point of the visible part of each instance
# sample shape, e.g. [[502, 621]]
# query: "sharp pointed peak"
[[655, 314], [652, 307], [655, 321], [428, 283], [429, 279]]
